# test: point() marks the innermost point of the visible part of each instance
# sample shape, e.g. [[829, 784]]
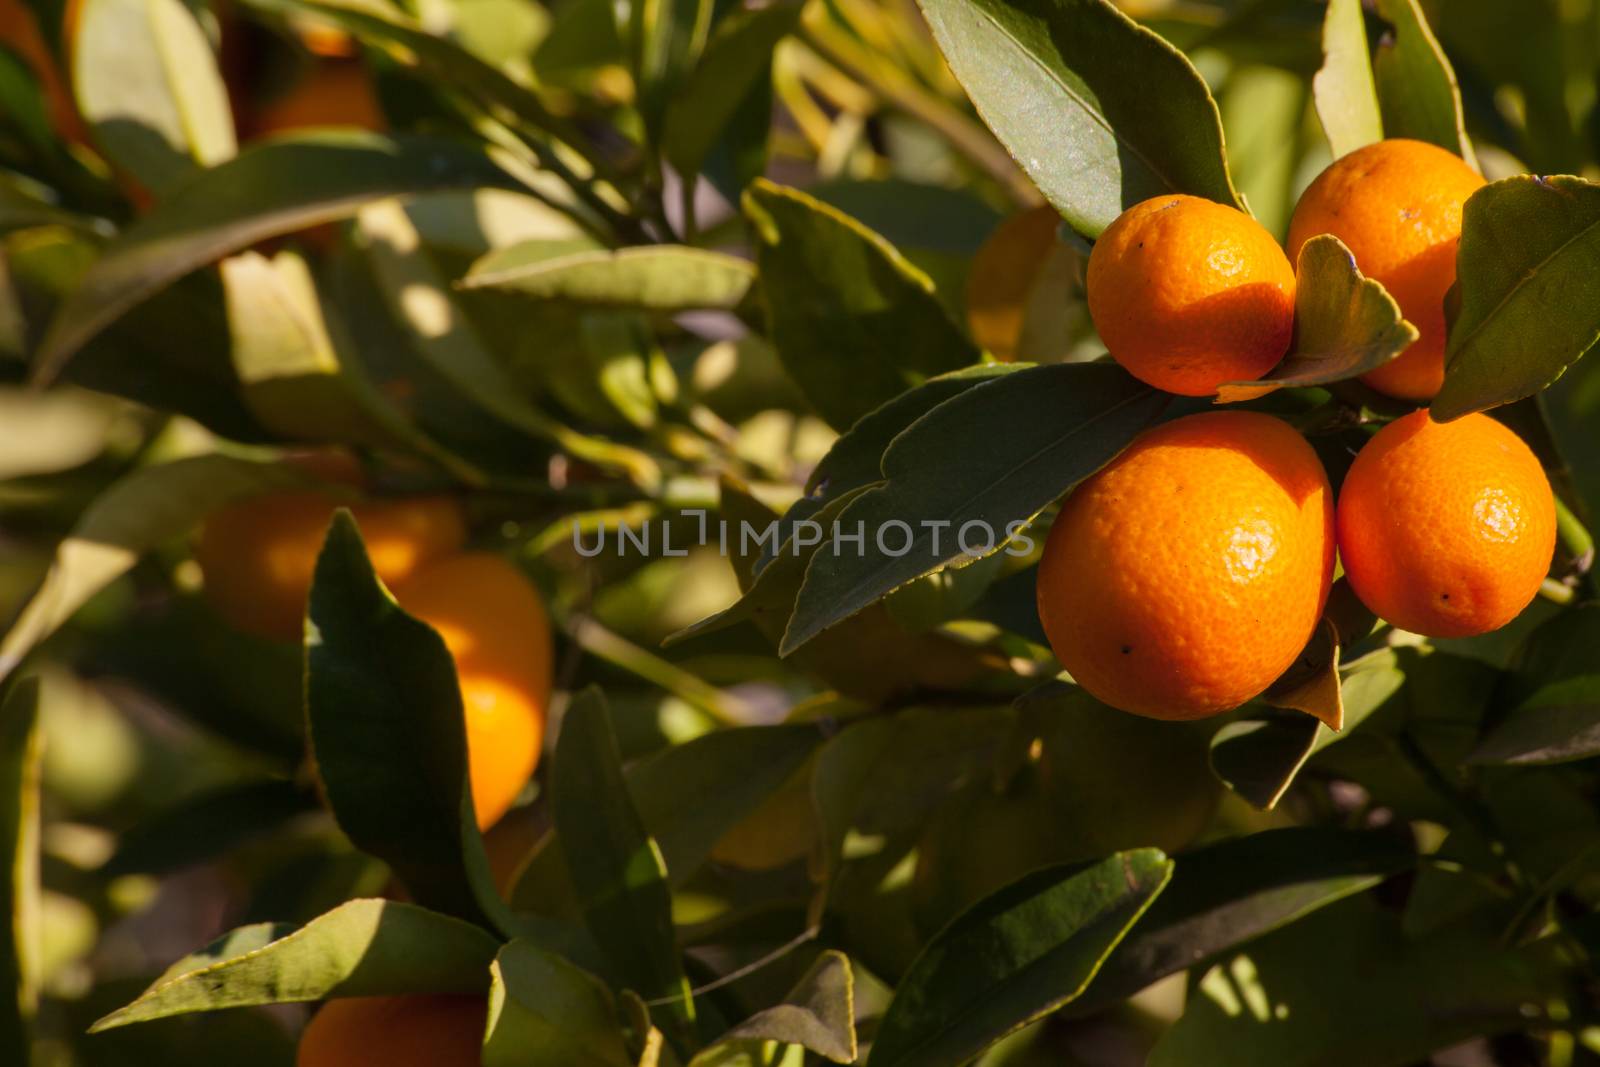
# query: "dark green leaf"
[[1345, 93], [147, 508], [1543, 735], [615, 865], [1013, 958], [360, 949], [736, 60], [146, 81], [269, 189], [542, 1009], [818, 1014], [389, 736], [1346, 986], [654, 277], [1345, 324], [1053, 80], [1529, 272], [1233, 892], [20, 752], [663, 40], [992, 456], [853, 321], [1417, 89], [203, 826]]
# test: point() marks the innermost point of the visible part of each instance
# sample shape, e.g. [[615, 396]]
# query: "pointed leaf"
[[1052, 80], [654, 278], [20, 752], [543, 1009], [271, 188], [1345, 93], [146, 81], [1013, 958], [1311, 684], [147, 508], [363, 948], [818, 1014], [1542, 735], [1230, 893], [1529, 277], [990, 458], [854, 322], [615, 865], [1345, 325], [389, 736], [1417, 88]]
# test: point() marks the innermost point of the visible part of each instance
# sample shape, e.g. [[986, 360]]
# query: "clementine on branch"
[[257, 554], [1187, 575], [413, 1031], [492, 620], [1446, 529], [1397, 206], [1188, 294]]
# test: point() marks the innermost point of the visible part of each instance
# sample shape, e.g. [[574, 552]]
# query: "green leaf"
[[1233, 892], [389, 736], [1346, 986], [450, 344], [146, 81], [543, 1009], [663, 40], [1259, 757], [1417, 89], [1541, 736], [1052, 78], [1345, 325], [1529, 277], [149, 507], [1014, 957], [294, 378], [737, 59], [1345, 92], [654, 277], [362, 948], [201, 827], [20, 752], [269, 189], [993, 456], [615, 865], [818, 1014], [853, 321]]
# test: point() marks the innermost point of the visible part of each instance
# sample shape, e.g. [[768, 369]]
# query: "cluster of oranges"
[[1185, 577], [258, 554]]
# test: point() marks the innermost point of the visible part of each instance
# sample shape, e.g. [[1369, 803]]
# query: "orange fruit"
[[492, 620], [1397, 206], [1002, 277], [1446, 529], [1187, 294], [258, 554], [336, 92], [410, 1031], [1187, 575]]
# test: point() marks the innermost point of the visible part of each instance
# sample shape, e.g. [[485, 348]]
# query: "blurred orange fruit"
[[1187, 575], [1446, 529], [1397, 206], [492, 620], [1188, 293], [335, 92], [411, 1031], [1002, 276], [258, 554]]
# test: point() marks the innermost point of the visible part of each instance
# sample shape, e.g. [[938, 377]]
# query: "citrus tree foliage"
[[703, 272]]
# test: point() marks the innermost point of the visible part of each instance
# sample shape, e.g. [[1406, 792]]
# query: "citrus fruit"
[[410, 1031], [1188, 293], [336, 92], [492, 620], [1188, 574], [1002, 277], [1397, 206], [258, 554], [1446, 529]]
